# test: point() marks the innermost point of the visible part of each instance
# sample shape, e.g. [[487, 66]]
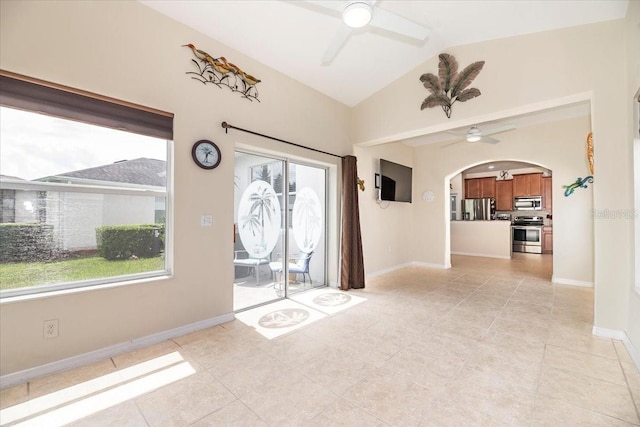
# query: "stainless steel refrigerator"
[[479, 209]]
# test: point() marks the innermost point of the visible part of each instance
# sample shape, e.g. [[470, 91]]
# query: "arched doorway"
[[503, 210]]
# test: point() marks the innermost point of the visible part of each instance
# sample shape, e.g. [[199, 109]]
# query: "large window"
[[84, 189]]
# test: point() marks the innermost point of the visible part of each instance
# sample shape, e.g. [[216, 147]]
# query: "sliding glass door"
[[280, 231]]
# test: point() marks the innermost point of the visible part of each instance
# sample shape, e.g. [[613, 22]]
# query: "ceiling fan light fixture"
[[357, 14], [474, 134]]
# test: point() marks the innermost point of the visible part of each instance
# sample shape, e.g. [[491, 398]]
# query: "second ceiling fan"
[[361, 13], [475, 134]]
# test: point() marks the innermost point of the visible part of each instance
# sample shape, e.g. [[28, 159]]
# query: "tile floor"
[[247, 292], [488, 342]]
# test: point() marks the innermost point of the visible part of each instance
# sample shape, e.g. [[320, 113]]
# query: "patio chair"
[[299, 265], [249, 262]]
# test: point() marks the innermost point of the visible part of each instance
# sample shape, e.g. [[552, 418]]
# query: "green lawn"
[[20, 275]]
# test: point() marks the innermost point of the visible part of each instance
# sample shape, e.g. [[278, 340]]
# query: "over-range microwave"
[[529, 203]]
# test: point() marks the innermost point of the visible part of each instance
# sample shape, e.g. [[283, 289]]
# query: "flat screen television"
[[395, 182]]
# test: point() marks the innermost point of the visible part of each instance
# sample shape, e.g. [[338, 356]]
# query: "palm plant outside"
[[309, 217], [262, 174]]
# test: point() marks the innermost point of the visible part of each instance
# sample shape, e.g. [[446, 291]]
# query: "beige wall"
[[523, 74], [387, 227], [633, 73], [125, 50]]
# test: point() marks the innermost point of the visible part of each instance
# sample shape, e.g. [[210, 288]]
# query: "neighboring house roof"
[[140, 171], [10, 177]]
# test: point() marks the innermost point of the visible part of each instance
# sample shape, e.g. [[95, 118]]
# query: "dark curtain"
[[352, 264]]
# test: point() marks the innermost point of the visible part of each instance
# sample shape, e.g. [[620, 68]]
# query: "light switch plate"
[[206, 220]]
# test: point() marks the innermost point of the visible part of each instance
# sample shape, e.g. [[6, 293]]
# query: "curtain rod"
[[227, 126]]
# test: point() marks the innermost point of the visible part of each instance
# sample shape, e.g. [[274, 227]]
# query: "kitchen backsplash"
[[542, 213]]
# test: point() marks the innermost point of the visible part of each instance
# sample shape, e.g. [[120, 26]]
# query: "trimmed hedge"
[[129, 241], [21, 242]]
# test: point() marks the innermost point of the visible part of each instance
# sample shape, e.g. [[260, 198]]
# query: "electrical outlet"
[[51, 328]]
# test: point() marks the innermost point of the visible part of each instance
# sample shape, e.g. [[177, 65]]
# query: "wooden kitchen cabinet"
[[472, 188], [488, 187], [520, 185], [547, 198], [504, 195], [529, 184], [547, 239], [476, 188]]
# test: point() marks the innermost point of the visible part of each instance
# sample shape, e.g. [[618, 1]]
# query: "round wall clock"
[[206, 154]]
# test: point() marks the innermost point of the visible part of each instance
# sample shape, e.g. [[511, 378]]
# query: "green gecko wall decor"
[[580, 183]]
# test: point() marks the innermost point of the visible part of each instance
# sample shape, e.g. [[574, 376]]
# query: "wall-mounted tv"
[[395, 182]]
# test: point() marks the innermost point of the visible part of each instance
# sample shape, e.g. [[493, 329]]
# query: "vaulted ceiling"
[[293, 36]]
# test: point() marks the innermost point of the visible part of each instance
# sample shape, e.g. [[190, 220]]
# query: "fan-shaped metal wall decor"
[[450, 86], [590, 151], [220, 72]]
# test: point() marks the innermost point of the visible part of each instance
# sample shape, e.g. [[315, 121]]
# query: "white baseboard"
[[571, 282], [20, 377], [430, 265], [632, 351], [481, 255], [406, 264], [613, 334], [387, 270], [620, 336]]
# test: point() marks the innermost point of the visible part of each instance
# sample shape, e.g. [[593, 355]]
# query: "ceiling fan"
[[360, 13], [475, 134]]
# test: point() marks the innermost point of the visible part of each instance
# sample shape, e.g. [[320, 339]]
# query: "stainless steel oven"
[[526, 234]]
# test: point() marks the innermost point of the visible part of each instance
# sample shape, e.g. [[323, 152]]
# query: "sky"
[[35, 145]]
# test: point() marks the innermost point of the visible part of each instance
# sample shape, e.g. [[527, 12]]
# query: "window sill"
[[87, 288]]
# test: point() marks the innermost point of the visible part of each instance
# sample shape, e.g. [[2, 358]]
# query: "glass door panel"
[[307, 230], [259, 224]]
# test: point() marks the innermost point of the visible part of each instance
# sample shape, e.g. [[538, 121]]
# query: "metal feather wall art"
[[220, 72], [450, 86]]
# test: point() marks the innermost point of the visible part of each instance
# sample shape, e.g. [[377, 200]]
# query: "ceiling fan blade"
[[389, 21], [338, 40], [489, 140], [499, 130]]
